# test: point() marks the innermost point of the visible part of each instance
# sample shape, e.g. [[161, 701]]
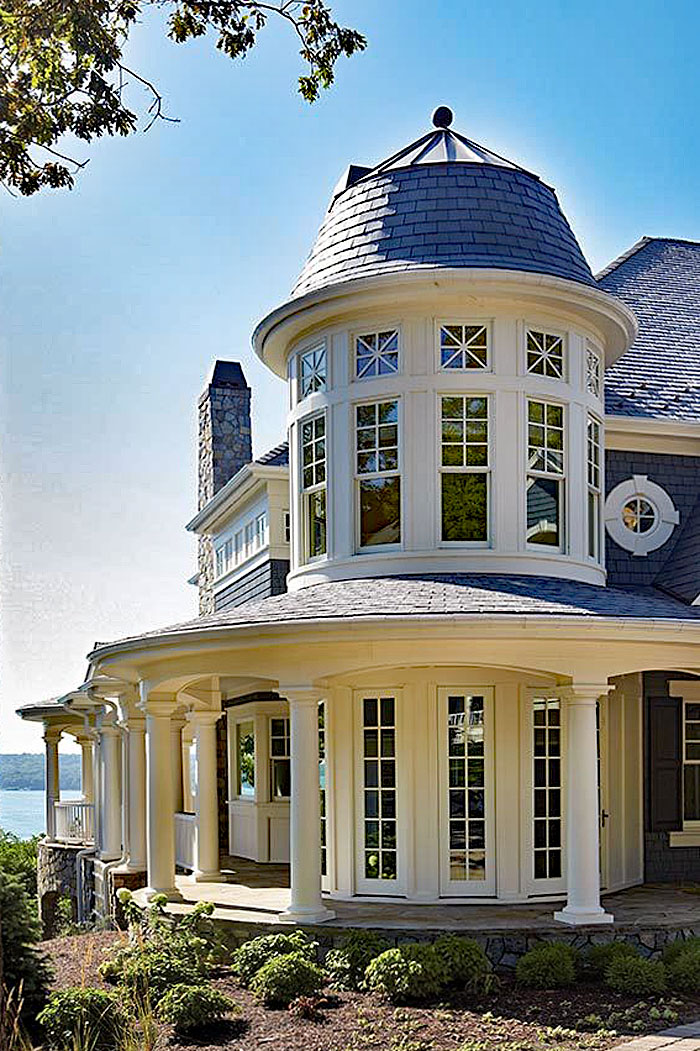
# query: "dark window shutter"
[[665, 765]]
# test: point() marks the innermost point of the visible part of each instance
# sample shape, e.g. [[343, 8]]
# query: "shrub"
[[465, 962], [18, 857], [149, 971], [599, 957], [285, 978], [412, 972], [192, 1007], [83, 1018], [547, 967], [346, 965], [679, 946], [683, 970], [636, 976], [23, 965], [251, 956]]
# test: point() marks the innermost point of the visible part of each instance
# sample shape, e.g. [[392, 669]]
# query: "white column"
[[136, 801], [582, 817], [206, 806], [160, 811], [53, 792], [187, 795], [86, 772], [176, 726], [110, 792], [306, 905]]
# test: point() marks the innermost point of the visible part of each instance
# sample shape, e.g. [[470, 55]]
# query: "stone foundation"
[[57, 877]]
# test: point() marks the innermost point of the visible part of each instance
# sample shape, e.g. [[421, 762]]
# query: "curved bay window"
[[313, 487], [377, 470], [464, 460], [545, 474], [594, 478]]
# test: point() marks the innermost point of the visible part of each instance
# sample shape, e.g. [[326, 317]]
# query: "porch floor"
[[256, 894]]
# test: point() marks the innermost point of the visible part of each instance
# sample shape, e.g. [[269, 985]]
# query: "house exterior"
[[449, 642]]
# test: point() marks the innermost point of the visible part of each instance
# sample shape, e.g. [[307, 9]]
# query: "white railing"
[[75, 821], [184, 840]]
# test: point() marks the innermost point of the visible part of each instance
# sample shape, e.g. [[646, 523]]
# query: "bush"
[[20, 928], [672, 951], [413, 972], [192, 1007], [285, 978], [636, 976], [547, 967], [465, 962], [18, 857], [83, 1018], [251, 956], [148, 972], [599, 957], [346, 965], [683, 970]]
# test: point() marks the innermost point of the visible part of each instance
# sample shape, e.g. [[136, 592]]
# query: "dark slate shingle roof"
[[659, 279], [438, 595], [448, 214], [680, 574], [277, 457]]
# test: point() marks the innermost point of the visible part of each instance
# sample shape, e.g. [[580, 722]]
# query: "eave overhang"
[[237, 489]]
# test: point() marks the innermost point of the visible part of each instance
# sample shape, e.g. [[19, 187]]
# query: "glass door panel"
[[378, 853]]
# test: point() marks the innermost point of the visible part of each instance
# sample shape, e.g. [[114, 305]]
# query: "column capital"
[[300, 694], [202, 718], [585, 692], [52, 735], [160, 706]]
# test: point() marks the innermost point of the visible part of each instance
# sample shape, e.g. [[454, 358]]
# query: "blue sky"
[[116, 297]]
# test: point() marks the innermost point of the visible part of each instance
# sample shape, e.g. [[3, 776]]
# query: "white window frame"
[[594, 372], [487, 470], [287, 527], [467, 888], [561, 478], [372, 475], [318, 375], [306, 492], [595, 485], [238, 723], [463, 370], [287, 756], [261, 530], [692, 825], [546, 330], [537, 887], [667, 517], [376, 331]]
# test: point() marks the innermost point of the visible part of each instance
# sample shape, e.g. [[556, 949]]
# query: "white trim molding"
[[655, 510]]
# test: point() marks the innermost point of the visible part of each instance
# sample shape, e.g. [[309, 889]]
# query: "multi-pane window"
[[594, 478], [639, 515], [377, 469], [313, 486], [280, 765], [224, 557], [594, 372], [249, 533], [464, 465], [287, 526], [312, 371], [545, 474], [379, 785], [466, 788], [238, 546], [322, 784], [546, 777], [245, 758], [464, 347], [545, 354], [376, 354], [261, 530], [691, 761]]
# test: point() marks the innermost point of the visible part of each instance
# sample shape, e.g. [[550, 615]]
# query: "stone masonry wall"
[[57, 877]]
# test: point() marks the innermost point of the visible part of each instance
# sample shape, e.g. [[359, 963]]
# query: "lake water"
[[23, 812]]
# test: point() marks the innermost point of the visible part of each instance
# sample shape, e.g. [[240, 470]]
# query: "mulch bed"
[[510, 1019]]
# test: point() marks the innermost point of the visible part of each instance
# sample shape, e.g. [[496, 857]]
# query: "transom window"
[[546, 469], [545, 354], [376, 354], [593, 372], [691, 761], [377, 469], [464, 446], [464, 347], [594, 478], [466, 788], [379, 778], [280, 765], [313, 487], [547, 810], [312, 371]]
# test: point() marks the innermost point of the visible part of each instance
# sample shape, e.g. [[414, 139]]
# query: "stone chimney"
[[224, 447]]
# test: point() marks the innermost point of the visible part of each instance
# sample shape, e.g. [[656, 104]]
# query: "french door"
[[380, 851], [465, 746]]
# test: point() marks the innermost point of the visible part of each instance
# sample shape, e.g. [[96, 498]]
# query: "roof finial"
[[442, 117]]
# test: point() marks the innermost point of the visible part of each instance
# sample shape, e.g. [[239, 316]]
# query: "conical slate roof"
[[441, 202]]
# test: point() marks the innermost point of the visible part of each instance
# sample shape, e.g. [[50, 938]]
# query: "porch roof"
[[439, 595]]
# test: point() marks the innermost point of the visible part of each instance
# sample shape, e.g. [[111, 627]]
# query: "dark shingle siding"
[[268, 579], [659, 376], [444, 215]]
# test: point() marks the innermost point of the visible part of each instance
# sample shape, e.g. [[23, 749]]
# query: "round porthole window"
[[640, 515]]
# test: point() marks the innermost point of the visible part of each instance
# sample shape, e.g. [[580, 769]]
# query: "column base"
[[208, 877], [128, 869], [580, 917], [172, 894], [309, 914]]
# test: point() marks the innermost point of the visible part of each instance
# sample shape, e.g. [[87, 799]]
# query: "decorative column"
[[86, 769], [187, 795], [176, 725], [160, 811], [53, 791], [306, 905], [136, 800], [582, 809], [206, 805], [110, 790]]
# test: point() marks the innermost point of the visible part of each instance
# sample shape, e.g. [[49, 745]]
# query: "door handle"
[[604, 815]]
